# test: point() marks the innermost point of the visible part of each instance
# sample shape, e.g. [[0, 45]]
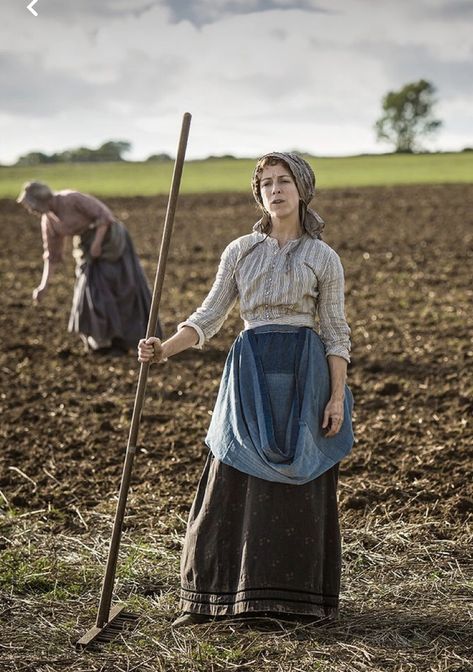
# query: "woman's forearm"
[[100, 230], [48, 271], [181, 340], [102, 226], [338, 376]]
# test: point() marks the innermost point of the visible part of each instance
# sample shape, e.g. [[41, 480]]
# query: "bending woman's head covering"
[[35, 195], [304, 178]]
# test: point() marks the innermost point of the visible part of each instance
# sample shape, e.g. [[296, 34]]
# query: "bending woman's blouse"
[[300, 284], [73, 214]]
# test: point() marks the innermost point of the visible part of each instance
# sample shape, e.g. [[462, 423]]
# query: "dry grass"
[[404, 603]]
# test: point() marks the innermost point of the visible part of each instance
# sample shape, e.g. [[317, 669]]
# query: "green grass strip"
[[218, 175]]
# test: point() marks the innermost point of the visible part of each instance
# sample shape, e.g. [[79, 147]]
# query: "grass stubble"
[[404, 600]]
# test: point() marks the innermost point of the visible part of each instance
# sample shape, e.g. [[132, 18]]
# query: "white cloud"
[[254, 73]]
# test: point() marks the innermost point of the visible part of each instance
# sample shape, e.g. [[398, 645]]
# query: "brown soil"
[[407, 257]]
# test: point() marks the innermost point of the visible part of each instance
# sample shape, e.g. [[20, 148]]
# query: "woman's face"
[[40, 208], [279, 192]]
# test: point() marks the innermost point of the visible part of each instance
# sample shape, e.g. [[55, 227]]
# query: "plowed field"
[[407, 253]]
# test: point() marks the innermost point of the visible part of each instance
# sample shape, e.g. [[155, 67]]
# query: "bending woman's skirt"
[[111, 299], [257, 545]]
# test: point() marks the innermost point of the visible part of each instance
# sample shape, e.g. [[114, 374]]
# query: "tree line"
[[407, 120], [113, 150]]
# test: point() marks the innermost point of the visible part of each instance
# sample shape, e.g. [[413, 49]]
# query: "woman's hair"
[[35, 194], [304, 179], [263, 163]]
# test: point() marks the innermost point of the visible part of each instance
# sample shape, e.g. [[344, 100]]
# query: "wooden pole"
[[109, 578]]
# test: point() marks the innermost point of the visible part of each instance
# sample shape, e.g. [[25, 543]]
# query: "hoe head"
[[119, 621]]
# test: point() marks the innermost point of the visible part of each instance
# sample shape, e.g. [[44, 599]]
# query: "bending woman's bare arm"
[[40, 290], [102, 226]]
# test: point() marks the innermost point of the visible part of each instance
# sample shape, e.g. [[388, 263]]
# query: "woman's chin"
[[279, 211]]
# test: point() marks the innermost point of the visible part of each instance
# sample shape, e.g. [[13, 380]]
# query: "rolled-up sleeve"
[[209, 317], [334, 330]]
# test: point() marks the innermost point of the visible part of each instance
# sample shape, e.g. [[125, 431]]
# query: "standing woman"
[[263, 533], [111, 298]]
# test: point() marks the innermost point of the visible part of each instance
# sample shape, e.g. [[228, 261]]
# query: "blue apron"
[[267, 420]]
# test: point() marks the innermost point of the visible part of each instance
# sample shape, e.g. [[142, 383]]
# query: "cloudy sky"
[[256, 75]]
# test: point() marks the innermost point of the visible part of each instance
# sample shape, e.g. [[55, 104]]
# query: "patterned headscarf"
[[304, 178]]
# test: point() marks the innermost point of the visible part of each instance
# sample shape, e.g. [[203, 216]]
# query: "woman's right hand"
[[151, 350], [38, 294]]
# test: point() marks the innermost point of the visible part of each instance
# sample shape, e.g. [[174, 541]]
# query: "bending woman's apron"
[[268, 416], [112, 298]]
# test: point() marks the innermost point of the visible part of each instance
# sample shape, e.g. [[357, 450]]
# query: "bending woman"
[[111, 298], [263, 532]]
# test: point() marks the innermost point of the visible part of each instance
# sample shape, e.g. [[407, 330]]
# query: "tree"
[[33, 159], [109, 151], [112, 150], [159, 158], [408, 116]]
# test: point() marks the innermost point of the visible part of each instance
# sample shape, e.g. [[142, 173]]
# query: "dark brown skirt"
[[258, 546], [111, 299]]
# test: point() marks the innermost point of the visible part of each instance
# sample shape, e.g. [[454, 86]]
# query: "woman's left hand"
[[333, 417]]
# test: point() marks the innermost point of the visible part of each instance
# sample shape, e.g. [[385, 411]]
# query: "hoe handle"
[[109, 578]]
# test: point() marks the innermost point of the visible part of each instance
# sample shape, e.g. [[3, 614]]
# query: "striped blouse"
[[300, 284]]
